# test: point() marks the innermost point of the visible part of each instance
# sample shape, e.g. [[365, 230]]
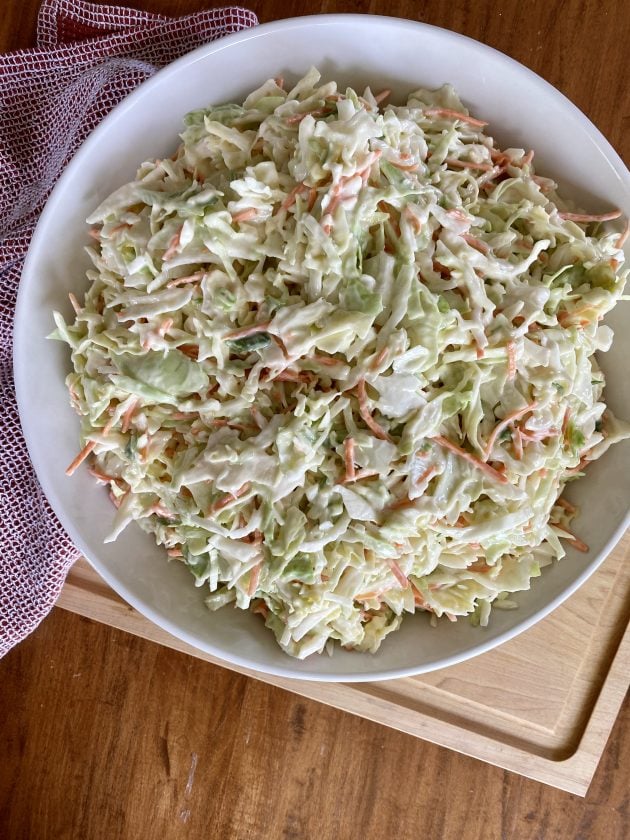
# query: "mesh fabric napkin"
[[87, 59]]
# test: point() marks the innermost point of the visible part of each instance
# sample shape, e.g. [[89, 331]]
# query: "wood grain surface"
[[105, 735]]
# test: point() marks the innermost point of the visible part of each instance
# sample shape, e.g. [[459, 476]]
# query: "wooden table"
[[105, 735]]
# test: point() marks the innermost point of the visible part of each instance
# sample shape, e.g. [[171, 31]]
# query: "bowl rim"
[[73, 167]]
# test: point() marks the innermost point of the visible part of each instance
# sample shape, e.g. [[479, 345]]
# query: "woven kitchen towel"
[[88, 57]]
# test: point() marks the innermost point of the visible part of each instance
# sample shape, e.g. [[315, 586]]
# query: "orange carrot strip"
[[289, 201], [328, 361], [576, 541], [364, 411], [95, 234], [591, 217], [230, 497], [400, 576], [528, 158], [360, 475], [472, 459], [172, 247], [475, 243], [101, 476], [511, 353], [126, 421], [244, 216], [405, 167], [174, 552], [165, 326], [380, 97], [503, 424], [180, 281], [456, 115], [74, 302], [89, 446], [563, 503], [517, 443], [254, 578], [427, 474], [261, 609], [380, 358], [243, 332]]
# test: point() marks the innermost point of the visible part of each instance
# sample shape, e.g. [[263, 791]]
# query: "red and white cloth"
[[87, 59]]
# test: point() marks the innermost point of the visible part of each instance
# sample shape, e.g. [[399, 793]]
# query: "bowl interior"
[[356, 50]]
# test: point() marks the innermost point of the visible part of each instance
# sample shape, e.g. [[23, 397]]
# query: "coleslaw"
[[337, 356]]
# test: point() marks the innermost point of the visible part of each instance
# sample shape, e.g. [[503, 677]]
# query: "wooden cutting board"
[[541, 705]]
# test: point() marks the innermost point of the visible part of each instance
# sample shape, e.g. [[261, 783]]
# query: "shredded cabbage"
[[338, 357]]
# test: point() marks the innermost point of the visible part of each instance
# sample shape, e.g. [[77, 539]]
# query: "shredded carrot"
[[475, 243], [402, 503], [623, 236], [74, 302], [101, 476], [427, 475], [174, 552], [348, 445], [312, 198], [279, 82], [108, 427], [419, 599], [503, 424], [327, 361], [591, 217], [511, 353], [244, 332], [517, 443], [400, 576], [469, 164], [563, 503], [172, 247], [327, 224], [500, 157], [575, 541], [115, 501], [380, 358], [230, 497], [261, 609], [472, 459], [165, 326], [380, 97], [456, 115], [190, 350], [126, 420], [405, 167], [480, 568], [528, 158], [360, 475], [543, 184], [181, 281], [89, 446], [364, 411], [95, 234], [289, 201], [254, 578], [244, 216], [292, 376], [415, 222]]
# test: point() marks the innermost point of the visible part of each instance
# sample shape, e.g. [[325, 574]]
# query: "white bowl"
[[523, 110]]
